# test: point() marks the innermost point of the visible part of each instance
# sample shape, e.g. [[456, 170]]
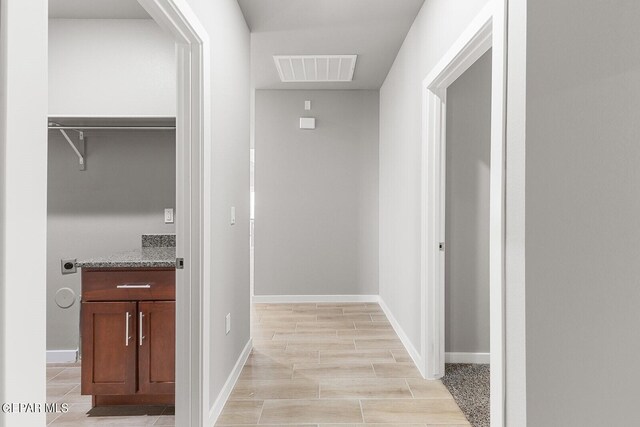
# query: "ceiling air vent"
[[315, 68]]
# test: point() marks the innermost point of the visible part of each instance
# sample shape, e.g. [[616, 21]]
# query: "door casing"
[[193, 189], [486, 31]]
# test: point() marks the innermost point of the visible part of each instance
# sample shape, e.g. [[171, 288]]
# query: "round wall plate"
[[65, 297]]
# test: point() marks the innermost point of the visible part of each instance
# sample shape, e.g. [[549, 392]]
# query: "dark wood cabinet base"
[[128, 336], [133, 399]]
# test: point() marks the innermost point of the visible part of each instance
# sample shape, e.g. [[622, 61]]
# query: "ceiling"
[[372, 29], [96, 9]]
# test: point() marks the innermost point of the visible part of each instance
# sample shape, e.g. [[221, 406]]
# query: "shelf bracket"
[[74, 148]]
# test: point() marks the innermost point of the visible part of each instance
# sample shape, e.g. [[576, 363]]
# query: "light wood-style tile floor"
[[63, 386], [333, 365]]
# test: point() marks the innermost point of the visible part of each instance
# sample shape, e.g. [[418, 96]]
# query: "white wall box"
[[307, 122]]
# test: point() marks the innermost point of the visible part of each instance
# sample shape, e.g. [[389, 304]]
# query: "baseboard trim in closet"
[[62, 356], [476, 358]]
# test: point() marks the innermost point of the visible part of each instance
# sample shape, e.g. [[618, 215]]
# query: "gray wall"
[[467, 210], [582, 213], [130, 176], [111, 67], [129, 180], [316, 229], [230, 71], [437, 26]]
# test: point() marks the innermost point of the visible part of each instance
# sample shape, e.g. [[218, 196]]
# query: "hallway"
[[333, 364]]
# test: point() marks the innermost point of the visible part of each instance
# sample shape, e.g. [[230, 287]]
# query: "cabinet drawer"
[[129, 284]]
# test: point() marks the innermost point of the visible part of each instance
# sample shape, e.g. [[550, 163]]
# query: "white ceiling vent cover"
[[315, 68]]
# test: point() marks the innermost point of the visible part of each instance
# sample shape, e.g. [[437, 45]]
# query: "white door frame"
[[487, 30], [193, 185]]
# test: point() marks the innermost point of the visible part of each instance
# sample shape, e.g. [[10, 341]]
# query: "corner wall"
[[3, 124], [437, 26], [230, 71], [515, 311], [23, 198], [316, 229]]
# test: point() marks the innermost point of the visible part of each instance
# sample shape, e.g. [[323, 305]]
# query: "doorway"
[[466, 238], [192, 202], [466, 250], [486, 32]]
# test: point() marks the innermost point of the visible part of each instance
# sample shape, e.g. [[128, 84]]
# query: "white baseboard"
[[467, 358], [413, 352], [62, 356], [227, 388], [283, 299]]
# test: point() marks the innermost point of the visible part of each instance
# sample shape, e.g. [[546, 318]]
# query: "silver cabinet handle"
[[134, 286], [141, 316], [126, 328]]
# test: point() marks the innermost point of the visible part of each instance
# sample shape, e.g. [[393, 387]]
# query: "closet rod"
[[113, 127]]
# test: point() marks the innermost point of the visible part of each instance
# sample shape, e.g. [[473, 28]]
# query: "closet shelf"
[[112, 122], [79, 125]]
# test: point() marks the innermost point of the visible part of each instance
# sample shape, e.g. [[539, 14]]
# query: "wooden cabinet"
[[108, 351], [128, 336], [156, 366]]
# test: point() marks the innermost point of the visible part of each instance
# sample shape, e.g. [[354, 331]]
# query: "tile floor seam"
[[52, 378], [51, 422], [444, 399], [409, 387], [261, 411], [338, 398], [361, 411]]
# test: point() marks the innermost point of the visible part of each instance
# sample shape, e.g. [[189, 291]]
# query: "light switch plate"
[[168, 216], [227, 323], [307, 105]]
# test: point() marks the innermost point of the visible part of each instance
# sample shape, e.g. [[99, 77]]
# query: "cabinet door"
[[108, 348], [157, 347]]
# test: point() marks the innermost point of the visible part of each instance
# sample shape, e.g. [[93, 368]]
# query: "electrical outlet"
[[68, 266], [168, 216], [227, 323]]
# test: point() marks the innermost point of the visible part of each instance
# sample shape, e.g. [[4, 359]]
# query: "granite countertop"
[[148, 256]]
